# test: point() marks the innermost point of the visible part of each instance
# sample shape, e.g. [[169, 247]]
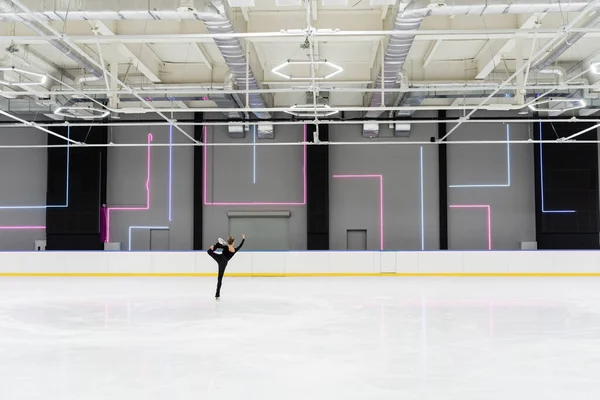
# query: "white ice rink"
[[300, 338]]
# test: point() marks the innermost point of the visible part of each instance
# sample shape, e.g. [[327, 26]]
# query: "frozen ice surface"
[[299, 338]]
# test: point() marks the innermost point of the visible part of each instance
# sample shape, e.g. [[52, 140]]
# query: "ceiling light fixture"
[[41, 78], [67, 112], [309, 110], [277, 70], [595, 68], [579, 103]]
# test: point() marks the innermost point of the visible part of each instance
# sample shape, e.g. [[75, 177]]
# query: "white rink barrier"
[[329, 263]]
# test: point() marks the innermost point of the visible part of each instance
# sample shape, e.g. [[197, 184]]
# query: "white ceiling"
[[448, 49]]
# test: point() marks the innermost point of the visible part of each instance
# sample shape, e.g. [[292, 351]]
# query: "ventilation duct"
[[223, 100], [186, 6], [235, 57], [213, 16], [370, 130], [7, 6], [569, 41], [411, 17], [236, 131], [401, 129], [265, 132]]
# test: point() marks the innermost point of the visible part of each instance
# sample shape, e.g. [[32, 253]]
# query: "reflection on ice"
[[299, 338]]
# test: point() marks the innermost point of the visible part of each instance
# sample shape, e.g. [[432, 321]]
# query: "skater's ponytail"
[[230, 240]]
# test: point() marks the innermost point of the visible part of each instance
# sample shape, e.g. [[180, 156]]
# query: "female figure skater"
[[223, 258]]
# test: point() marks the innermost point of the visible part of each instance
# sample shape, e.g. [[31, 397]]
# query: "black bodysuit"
[[222, 259]]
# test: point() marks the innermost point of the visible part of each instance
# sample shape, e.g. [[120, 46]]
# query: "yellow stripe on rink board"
[[320, 275]]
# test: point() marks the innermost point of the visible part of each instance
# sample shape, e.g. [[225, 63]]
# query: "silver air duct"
[[411, 17], [7, 6], [235, 57], [213, 16], [569, 41]]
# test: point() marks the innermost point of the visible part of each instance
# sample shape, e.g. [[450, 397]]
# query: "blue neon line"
[[422, 207], [254, 154], [131, 228], [170, 173], [542, 181], [66, 205], [508, 169]]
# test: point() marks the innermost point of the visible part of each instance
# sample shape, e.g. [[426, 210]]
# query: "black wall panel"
[[317, 190], [198, 183], [443, 183], [566, 179], [78, 225]]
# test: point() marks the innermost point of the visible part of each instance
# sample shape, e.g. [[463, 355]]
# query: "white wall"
[[300, 263]]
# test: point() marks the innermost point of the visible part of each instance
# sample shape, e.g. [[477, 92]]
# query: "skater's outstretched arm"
[[241, 243]]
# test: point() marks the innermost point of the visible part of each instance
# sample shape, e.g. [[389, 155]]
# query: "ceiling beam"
[[204, 56], [146, 62], [245, 14], [261, 59], [384, 11], [430, 53], [276, 36], [493, 52]]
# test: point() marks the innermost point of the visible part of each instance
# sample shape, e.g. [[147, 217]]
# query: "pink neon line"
[[147, 207], [206, 203], [380, 177], [489, 217], [10, 228]]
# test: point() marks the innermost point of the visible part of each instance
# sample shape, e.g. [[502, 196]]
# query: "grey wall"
[[354, 203], [512, 207], [23, 182], [279, 179], [126, 186]]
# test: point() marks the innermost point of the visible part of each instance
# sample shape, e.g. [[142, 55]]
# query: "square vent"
[[265, 132], [236, 131], [370, 130]]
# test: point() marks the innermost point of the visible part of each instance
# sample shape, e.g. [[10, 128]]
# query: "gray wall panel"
[[279, 179], [355, 202], [512, 207], [126, 186], [23, 182]]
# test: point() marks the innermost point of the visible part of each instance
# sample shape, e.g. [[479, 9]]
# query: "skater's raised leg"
[[222, 259]]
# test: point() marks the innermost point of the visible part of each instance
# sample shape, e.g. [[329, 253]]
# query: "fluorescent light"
[[580, 104], [595, 68], [336, 69], [308, 110], [65, 112]]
